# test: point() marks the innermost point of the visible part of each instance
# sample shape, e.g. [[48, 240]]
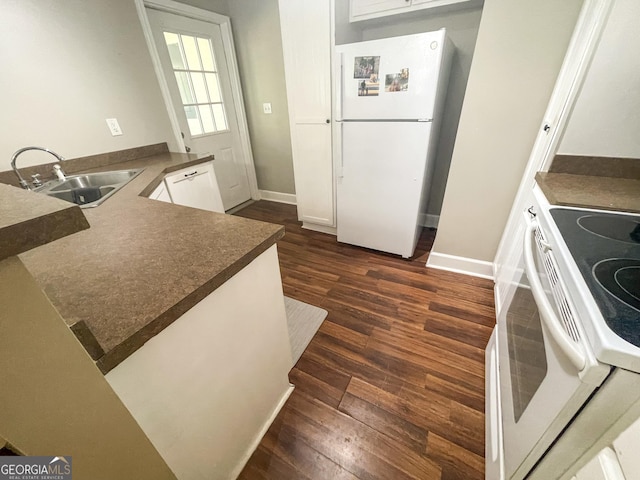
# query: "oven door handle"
[[548, 316]]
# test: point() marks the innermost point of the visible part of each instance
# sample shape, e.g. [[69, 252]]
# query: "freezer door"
[[380, 185], [389, 79]]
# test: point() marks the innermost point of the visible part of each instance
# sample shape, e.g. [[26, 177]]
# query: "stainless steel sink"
[[88, 190]]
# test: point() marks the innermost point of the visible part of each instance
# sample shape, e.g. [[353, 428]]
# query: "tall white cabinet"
[[306, 42]]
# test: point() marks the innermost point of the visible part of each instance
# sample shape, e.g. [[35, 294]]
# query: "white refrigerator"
[[390, 95]]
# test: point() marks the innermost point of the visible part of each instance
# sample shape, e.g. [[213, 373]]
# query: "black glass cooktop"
[[606, 248]]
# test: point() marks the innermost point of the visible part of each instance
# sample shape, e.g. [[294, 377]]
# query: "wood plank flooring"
[[392, 385]]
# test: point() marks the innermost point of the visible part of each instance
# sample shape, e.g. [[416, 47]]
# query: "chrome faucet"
[[23, 182]]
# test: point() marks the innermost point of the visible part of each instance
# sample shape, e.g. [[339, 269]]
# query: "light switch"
[[114, 126], [266, 107]]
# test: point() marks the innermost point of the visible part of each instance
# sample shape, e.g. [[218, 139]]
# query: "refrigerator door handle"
[[340, 172], [338, 89]]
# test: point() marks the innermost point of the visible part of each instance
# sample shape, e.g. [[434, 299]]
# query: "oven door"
[[546, 368]]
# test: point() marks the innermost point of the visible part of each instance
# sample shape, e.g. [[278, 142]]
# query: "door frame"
[[224, 22]]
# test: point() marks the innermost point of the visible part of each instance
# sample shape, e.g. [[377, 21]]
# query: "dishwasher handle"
[[547, 314]]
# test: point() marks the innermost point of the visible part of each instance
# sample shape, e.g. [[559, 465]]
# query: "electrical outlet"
[[267, 108], [114, 126]]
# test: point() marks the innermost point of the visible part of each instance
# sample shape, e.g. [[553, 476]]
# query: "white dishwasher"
[[195, 187]]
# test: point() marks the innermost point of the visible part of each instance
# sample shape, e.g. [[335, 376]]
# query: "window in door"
[[194, 65]]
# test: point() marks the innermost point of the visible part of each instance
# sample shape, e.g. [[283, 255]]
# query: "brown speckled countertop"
[[143, 263], [606, 193], [607, 183], [27, 221]]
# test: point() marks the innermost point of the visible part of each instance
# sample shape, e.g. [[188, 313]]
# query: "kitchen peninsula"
[[181, 308]]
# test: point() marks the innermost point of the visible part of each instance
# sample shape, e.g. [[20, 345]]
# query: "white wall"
[[518, 54], [66, 67], [606, 118], [462, 28]]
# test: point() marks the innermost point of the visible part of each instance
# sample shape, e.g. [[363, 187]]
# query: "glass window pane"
[[207, 118], [206, 54], [193, 120], [191, 52], [218, 114], [214, 88], [198, 86], [183, 85], [173, 45]]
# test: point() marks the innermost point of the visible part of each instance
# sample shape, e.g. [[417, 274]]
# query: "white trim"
[[320, 228], [263, 431], [157, 67], [334, 125], [279, 197], [464, 265], [224, 22], [428, 220]]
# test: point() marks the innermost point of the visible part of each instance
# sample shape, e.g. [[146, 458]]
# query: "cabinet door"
[[368, 7], [306, 39], [196, 187]]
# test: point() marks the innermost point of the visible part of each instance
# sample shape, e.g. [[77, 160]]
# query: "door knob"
[[327, 121]]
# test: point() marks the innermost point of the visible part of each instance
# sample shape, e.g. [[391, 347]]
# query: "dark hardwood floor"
[[392, 385]]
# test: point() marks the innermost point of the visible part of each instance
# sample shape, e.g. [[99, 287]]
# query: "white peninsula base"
[[206, 388]]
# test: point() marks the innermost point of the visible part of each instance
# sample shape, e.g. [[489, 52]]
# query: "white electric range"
[[564, 366]]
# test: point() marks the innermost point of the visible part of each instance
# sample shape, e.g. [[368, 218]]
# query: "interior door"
[[195, 68]]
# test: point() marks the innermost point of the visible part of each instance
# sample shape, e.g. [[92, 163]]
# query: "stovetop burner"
[[606, 249], [613, 227], [621, 278]]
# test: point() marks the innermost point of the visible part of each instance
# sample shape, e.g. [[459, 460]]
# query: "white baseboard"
[[467, 266], [279, 197], [254, 445], [320, 228], [429, 220]]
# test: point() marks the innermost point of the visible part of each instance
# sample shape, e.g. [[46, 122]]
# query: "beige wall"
[[54, 400], [66, 67], [256, 33], [462, 29], [519, 51], [345, 32]]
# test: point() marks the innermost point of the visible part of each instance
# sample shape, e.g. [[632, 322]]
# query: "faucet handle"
[[36, 180], [57, 170]]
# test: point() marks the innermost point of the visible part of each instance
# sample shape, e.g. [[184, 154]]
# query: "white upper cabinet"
[[368, 9]]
